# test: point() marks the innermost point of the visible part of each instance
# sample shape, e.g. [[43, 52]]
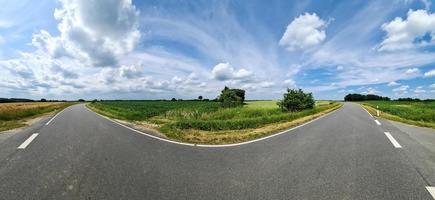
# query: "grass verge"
[[371, 108], [197, 124]]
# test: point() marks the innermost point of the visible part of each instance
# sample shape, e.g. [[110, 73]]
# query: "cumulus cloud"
[[432, 86], [412, 71], [67, 74], [225, 72], [290, 83], [417, 29], [401, 90], [94, 31], [130, 72], [419, 89], [430, 73], [370, 90], [393, 83], [304, 32]]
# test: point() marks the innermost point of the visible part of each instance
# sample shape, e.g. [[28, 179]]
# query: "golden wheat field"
[[8, 107], [14, 115]]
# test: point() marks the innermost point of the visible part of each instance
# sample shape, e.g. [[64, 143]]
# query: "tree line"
[[362, 97]]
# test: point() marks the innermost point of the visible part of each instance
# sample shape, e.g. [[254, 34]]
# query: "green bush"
[[296, 100], [231, 97]]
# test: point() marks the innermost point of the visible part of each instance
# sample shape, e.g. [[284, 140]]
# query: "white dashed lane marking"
[[431, 191], [392, 140], [377, 122], [28, 141]]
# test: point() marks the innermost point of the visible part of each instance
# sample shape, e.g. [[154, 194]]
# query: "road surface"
[[344, 155]]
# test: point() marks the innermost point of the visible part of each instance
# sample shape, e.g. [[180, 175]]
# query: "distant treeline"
[[362, 97], [415, 99], [18, 100], [10, 100], [370, 97]]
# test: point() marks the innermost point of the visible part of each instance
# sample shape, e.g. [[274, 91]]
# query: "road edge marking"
[[392, 140], [49, 121], [366, 110], [377, 122], [431, 191], [28, 141], [211, 145]]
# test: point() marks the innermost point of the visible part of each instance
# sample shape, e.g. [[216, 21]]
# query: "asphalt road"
[[344, 155]]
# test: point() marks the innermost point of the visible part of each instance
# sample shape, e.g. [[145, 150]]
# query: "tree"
[[361, 97], [43, 100], [173, 99], [200, 98], [81, 100], [296, 100], [231, 97]]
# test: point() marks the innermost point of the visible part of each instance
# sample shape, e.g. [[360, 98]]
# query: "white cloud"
[[290, 83], [412, 71], [267, 84], [130, 72], [419, 89], [430, 73], [97, 32], [304, 32], [255, 86], [225, 72], [370, 90], [393, 83], [5, 24], [403, 33], [2, 39], [401, 90], [432, 86]]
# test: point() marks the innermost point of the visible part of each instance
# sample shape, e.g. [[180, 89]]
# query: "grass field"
[[416, 113], [206, 122], [14, 115]]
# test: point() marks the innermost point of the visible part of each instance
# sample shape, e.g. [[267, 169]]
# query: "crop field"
[[418, 113], [14, 115], [205, 121]]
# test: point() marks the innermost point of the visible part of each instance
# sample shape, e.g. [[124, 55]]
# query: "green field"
[[205, 121], [417, 113], [15, 115]]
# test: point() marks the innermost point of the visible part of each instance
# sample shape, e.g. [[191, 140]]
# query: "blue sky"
[[121, 49]]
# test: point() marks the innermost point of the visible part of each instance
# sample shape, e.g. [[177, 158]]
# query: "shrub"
[[231, 97], [295, 100]]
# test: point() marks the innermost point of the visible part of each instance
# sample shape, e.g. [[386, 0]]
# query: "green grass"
[[416, 113], [15, 115], [262, 104], [144, 110], [182, 120]]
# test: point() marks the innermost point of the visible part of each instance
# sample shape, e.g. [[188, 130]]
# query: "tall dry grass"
[[14, 115]]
